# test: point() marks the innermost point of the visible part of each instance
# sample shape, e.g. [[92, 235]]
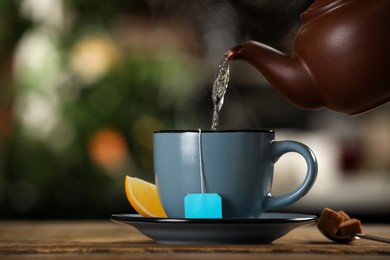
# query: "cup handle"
[[279, 148]]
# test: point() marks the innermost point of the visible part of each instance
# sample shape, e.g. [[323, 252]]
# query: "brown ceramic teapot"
[[340, 59]]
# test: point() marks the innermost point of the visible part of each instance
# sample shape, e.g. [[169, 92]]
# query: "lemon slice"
[[143, 197]]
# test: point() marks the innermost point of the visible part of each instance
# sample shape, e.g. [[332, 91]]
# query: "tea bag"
[[202, 205]]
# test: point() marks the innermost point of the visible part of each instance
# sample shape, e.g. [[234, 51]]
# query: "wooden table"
[[106, 240]]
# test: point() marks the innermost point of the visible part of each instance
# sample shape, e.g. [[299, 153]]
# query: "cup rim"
[[216, 131]]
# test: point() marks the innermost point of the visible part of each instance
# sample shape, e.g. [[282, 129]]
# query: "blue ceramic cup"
[[237, 165]]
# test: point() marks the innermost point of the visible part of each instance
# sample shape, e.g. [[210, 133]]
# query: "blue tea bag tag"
[[203, 205]]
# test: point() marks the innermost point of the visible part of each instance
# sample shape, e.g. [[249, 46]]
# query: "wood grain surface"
[[107, 240]]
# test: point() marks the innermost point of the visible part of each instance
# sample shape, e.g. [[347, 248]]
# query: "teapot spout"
[[288, 74]]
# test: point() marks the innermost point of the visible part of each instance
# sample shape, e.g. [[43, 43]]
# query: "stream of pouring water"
[[220, 85]]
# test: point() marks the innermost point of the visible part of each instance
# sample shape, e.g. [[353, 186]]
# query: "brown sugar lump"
[[344, 215], [349, 227], [338, 223], [329, 221]]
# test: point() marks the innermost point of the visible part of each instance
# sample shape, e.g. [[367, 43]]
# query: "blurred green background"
[[83, 86]]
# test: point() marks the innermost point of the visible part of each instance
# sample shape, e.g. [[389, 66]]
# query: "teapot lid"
[[320, 7]]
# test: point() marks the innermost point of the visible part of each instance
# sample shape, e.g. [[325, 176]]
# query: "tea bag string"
[[201, 161]]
